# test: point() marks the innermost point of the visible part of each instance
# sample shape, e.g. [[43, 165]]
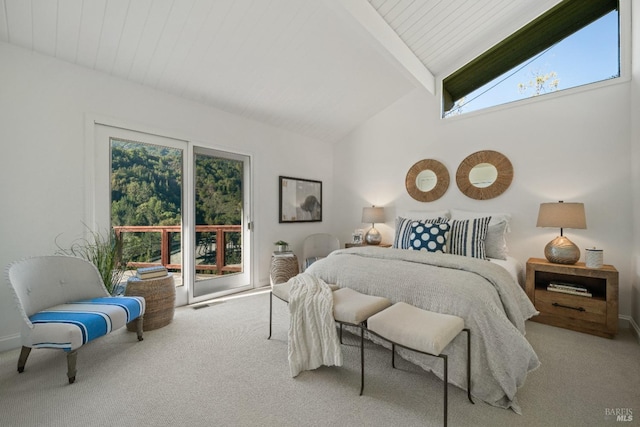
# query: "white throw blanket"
[[313, 339]]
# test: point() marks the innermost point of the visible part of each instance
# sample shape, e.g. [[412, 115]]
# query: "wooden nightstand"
[[357, 245], [597, 315]]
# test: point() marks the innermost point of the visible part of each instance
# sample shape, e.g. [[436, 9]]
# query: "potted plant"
[[103, 251], [281, 246]]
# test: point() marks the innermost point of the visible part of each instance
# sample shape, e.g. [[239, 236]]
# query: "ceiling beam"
[[390, 44]]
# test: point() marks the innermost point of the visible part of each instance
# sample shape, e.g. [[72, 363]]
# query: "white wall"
[[635, 159], [572, 147], [43, 106]]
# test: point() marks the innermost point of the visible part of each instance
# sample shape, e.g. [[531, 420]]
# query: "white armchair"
[[316, 246], [64, 305]]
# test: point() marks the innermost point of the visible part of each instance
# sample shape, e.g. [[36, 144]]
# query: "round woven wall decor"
[[499, 186]]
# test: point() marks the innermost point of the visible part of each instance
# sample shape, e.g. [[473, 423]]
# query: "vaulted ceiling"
[[315, 67]]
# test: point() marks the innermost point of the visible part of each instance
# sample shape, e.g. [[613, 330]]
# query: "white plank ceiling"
[[302, 65]]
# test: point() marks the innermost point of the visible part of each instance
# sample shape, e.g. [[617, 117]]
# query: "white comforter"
[[481, 292], [313, 340]]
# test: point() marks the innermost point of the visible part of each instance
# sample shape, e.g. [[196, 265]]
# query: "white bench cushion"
[[353, 307], [415, 328]]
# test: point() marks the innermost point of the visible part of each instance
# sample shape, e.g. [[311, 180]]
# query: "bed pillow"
[[403, 230], [467, 237], [425, 215], [496, 235], [496, 217], [428, 237], [496, 243]]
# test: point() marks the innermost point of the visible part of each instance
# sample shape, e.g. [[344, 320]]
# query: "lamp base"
[[562, 251], [373, 237]]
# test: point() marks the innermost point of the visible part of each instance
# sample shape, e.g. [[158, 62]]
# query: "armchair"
[[64, 305]]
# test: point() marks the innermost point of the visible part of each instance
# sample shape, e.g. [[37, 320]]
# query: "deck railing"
[[221, 248]]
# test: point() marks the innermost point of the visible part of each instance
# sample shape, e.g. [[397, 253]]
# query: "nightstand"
[[357, 245], [597, 314]]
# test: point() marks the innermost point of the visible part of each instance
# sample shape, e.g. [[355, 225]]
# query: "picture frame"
[[300, 200], [357, 237]]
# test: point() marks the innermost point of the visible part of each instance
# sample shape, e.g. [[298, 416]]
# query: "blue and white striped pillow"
[[402, 239], [467, 237]]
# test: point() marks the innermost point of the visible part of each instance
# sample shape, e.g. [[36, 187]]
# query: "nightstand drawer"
[[571, 306]]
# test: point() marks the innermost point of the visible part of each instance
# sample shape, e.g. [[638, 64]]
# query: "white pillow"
[[496, 218], [495, 242], [422, 215]]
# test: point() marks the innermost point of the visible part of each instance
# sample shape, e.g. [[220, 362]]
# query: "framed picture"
[[357, 236], [300, 200]]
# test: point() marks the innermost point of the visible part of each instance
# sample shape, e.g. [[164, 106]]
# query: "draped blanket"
[[482, 293], [313, 340]]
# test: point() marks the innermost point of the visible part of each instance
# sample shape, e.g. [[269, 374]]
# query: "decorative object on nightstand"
[[562, 215], [281, 246], [574, 297], [372, 215], [594, 258]]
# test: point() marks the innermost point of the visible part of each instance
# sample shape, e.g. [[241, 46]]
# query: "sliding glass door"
[[221, 211], [176, 205]]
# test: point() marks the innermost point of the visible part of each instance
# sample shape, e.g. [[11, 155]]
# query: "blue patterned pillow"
[[467, 237], [403, 230], [428, 237]]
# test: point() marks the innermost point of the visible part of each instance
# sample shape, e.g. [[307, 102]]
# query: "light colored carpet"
[[215, 367]]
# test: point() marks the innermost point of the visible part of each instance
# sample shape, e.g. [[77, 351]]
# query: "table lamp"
[[562, 215], [373, 214]]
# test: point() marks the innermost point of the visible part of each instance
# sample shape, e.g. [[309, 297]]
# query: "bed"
[[484, 292]]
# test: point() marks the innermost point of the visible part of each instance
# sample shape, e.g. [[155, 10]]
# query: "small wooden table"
[[160, 298]]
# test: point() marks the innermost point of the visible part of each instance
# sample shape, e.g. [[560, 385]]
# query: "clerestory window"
[[573, 44]]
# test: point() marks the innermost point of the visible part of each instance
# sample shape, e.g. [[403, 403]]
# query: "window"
[[573, 44]]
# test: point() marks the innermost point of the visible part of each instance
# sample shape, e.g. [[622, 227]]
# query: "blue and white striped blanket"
[[69, 326]]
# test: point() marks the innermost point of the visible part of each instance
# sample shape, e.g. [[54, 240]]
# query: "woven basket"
[[283, 269], [159, 295]]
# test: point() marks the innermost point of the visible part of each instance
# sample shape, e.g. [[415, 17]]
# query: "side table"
[[357, 245], [595, 312], [283, 268], [159, 295]]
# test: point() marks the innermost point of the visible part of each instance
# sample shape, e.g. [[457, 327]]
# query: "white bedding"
[[486, 296], [513, 266]]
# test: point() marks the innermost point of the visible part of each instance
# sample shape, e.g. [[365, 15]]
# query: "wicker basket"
[[159, 295], [283, 268]]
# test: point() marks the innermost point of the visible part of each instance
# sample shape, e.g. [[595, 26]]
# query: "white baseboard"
[[631, 323], [10, 342]]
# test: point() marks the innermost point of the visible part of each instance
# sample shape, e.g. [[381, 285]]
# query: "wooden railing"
[[165, 245]]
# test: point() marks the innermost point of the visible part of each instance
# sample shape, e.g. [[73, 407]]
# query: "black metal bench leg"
[[393, 355], [446, 388], [469, 365], [270, 312], [361, 359]]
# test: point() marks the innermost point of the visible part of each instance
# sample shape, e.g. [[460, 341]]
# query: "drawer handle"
[[555, 304]]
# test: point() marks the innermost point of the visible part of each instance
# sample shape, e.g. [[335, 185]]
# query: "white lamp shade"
[[372, 215], [562, 215]]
